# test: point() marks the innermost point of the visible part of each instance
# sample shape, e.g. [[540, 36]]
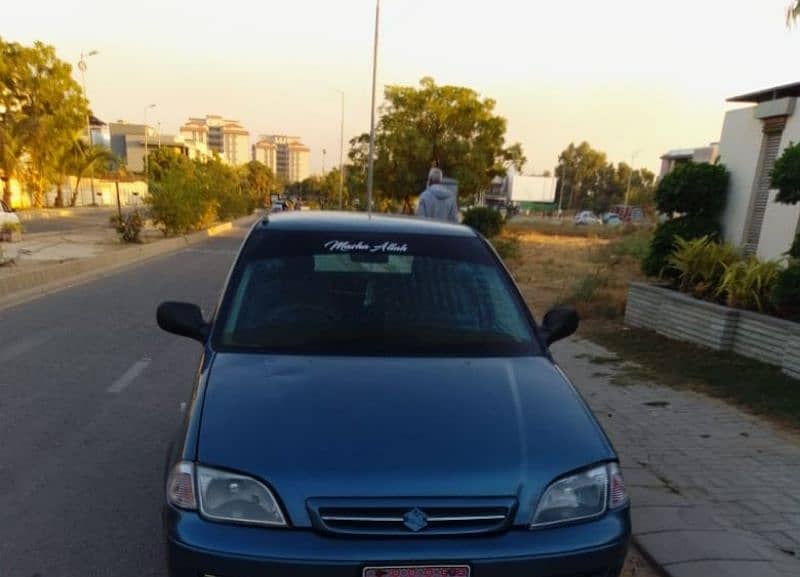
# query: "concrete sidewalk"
[[715, 491], [51, 261]]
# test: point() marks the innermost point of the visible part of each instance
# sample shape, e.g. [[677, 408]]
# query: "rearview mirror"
[[559, 323], [183, 319]]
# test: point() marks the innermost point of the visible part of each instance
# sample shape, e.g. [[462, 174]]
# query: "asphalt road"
[[90, 394], [80, 220]]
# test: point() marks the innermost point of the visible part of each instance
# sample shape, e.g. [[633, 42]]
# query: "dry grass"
[[586, 271]]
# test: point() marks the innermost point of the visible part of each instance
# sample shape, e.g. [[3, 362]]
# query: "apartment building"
[[226, 137], [287, 156]]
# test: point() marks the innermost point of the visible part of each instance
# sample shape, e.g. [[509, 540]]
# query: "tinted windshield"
[[333, 293]]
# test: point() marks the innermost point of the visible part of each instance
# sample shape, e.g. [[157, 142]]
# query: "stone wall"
[[681, 317]]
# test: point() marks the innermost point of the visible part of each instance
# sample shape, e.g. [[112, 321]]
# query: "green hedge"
[[485, 220]]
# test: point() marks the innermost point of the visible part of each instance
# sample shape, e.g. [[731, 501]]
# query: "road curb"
[[27, 214], [29, 285]]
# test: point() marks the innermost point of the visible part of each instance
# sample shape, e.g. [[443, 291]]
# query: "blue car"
[[374, 399]]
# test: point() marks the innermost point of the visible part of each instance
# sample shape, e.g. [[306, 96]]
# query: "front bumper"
[[196, 547]]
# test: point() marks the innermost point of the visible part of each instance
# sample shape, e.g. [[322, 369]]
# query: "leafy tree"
[[696, 189], [329, 189], [786, 175], [588, 180], [580, 167], [786, 178], [697, 194], [514, 157], [446, 126], [10, 154], [260, 182], [43, 111]]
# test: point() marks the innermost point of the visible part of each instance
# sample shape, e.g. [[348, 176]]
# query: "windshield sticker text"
[[361, 246]]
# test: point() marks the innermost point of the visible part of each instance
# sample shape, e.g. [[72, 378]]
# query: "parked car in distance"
[[7, 215], [611, 219], [375, 399], [587, 217]]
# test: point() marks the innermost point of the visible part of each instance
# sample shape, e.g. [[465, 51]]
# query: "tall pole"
[[146, 108], [341, 155], [371, 163], [82, 67], [630, 177], [324, 152]]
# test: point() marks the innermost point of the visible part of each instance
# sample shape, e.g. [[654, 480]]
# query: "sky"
[[632, 77]]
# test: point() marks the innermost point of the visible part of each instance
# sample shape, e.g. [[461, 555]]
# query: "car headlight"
[[223, 496], [584, 495]]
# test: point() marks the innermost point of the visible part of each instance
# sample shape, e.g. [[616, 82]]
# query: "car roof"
[[361, 222]]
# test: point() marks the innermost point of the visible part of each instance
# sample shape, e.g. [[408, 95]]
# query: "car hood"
[[376, 427]]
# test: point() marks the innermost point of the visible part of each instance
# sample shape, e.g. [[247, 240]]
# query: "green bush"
[[786, 292], [748, 284], [700, 264], [697, 190], [794, 251], [508, 247], [11, 227], [187, 195], [485, 220], [635, 244], [656, 263], [786, 175], [129, 227]]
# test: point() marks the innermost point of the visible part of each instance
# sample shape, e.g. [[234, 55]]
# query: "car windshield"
[[361, 294]]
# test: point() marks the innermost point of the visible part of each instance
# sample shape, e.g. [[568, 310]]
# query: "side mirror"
[[183, 319], [559, 323]]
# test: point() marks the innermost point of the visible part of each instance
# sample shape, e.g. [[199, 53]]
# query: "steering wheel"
[[309, 312]]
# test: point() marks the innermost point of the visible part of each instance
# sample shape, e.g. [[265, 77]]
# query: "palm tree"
[[79, 159]]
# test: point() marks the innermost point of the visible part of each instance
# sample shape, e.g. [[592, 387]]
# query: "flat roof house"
[[753, 137]]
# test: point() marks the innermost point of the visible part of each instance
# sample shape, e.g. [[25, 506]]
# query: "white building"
[[266, 152], [753, 137], [287, 156], [226, 137], [679, 156]]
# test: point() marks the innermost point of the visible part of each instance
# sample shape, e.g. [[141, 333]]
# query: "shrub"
[[635, 245], [786, 175], [508, 247], [129, 227], [697, 190], [486, 221], [794, 251], [656, 263], [786, 292], [748, 284], [700, 263], [177, 203], [11, 227]]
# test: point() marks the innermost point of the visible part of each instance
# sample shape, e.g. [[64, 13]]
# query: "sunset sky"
[[626, 75]]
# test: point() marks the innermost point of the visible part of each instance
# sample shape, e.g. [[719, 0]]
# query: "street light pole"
[[630, 177], [324, 152], [82, 67], [146, 108], [371, 163], [341, 154]]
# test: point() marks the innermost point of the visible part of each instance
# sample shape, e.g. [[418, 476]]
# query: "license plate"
[[418, 571]]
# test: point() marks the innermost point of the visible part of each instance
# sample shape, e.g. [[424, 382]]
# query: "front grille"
[[412, 516]]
